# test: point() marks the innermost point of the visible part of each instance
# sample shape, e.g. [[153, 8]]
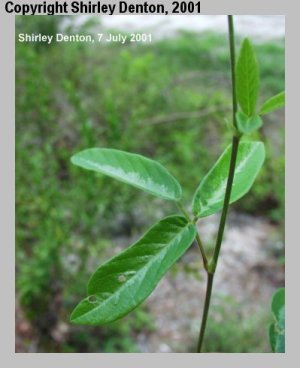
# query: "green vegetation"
[[277, 328], [239, 333], [158, 100]]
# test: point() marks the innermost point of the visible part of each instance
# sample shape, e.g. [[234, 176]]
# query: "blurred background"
[[169, 100]]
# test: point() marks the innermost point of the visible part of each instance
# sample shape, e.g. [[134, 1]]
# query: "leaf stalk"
[[198, 239]]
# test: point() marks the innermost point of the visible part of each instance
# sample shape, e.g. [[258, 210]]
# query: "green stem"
[[184, 211], [234, 152], [232, 65], [235, 147], [198, 239], [200, 245], [210, 279]]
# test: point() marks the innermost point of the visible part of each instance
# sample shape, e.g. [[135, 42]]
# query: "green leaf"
[[278, 302], [125, 281], [272, 336], [277, 329], [247, 79], [247, 124], [209, 196], [280, 342], [273, 103], [139, 171]]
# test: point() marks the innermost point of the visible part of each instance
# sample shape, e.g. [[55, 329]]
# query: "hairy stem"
[[235, 145]]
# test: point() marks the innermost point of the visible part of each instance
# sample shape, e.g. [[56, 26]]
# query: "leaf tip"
[[74, 159], [72, 318]]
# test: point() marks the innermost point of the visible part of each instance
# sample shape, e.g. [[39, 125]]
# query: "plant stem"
[[210, 279], [213, 264], [234, 152], [232, 65], [235, 146], [200, 245], [198, 239], [184, 211]]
